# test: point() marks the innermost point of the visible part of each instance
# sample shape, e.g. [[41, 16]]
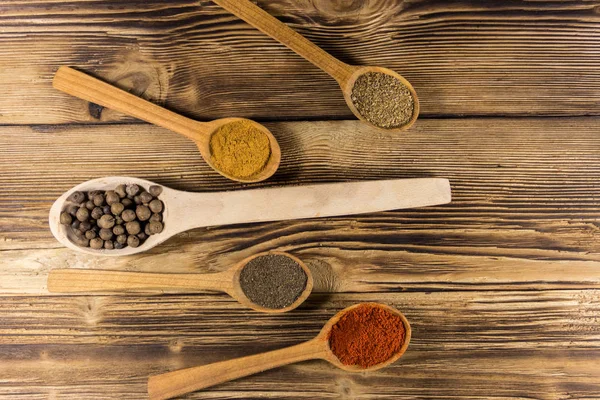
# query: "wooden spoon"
[[94, 90], [185, 210], [343, 73], [74, 280], [171, 384]]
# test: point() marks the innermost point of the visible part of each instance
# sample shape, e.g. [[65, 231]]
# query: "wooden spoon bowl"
[[185, 210], [75, 280], [176, 383], [88, 88]]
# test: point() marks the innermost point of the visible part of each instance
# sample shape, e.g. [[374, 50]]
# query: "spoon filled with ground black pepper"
[[272, 282], [376, 95], [154, 217], [361, 338], [237, 148]]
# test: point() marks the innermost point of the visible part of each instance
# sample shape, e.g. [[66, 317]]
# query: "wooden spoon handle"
[[82, 280], [187, 380], [311, 201], [94, 90], [270, 25]]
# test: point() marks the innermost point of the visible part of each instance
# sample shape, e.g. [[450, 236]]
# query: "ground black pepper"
[[273, 281]]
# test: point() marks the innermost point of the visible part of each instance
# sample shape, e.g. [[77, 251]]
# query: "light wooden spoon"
[[94, 90], [171, 384], [343, 73], [185, 210], [74, 280]]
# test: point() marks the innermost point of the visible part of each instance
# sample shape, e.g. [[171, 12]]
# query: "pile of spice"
[[367, 335], [273, 281], [113, 219], [240, 149], [383, 100]]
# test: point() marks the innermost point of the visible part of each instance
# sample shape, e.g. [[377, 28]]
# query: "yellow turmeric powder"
[[240, 149]]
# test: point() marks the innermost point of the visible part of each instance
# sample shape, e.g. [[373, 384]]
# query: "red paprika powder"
[[367, 335]]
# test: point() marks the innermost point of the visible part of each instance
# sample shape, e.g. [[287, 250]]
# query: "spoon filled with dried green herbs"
[[376, 95]]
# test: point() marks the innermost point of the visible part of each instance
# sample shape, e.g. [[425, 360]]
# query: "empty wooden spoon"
[[185, 210], [171, 384], [345, 74], [94, 90], [74, 280]]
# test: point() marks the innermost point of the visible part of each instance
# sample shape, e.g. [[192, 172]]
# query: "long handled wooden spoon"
[[91, 89], [74, 280], [345, 74], [185, 210], [187, 380]]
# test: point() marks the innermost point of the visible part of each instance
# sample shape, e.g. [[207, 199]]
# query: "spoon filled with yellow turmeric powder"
[[237, 148]]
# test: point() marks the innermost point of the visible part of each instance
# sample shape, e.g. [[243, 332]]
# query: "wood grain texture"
[[472, 345], [522, 213], [464, 58]]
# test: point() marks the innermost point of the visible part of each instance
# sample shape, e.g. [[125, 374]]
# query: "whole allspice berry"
[[98, 200], [108, 245], [155, 227], [107, 221], [96, 243], [142, 236], [122, 239], [117, 208], [75, 224], [132, 190], [133, 227], [79, 239], [106, 209], [85, 226], [143, 213], [155, 217], [105, 234], [128, 215], [97, 212], [133, 241], [145, 197], [156, 206], [120, 190], [112, 197], [155, 190], [72, 209], [137, 200], [118, 245], [65, 218], [127, 202], [118, 230], [118, 220], [90, 234], [77, 197], [83, 214], [90, 205]]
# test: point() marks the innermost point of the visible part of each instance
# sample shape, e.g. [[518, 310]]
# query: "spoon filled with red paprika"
[[362, 337]]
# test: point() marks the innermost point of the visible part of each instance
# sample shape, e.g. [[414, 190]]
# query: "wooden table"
[[501, 286]]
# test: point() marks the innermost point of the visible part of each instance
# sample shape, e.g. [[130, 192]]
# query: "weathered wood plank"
[[541, 344], [524, 213], [484, 58]]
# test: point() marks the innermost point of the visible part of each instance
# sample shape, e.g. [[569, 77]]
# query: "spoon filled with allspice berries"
[[376, 95], [271, 282], [118, 216], [237, 148]]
